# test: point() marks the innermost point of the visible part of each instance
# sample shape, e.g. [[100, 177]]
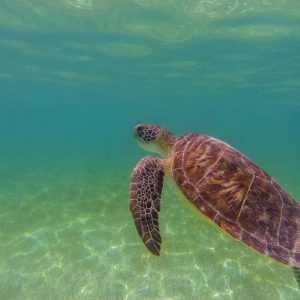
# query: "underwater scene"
[[76, 77]]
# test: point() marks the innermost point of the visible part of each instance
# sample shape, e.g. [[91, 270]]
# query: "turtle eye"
[[139, 129]]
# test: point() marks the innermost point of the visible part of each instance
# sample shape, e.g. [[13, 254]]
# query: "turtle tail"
[[297, 275]]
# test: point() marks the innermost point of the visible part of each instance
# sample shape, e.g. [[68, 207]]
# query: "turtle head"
[[155, 139]]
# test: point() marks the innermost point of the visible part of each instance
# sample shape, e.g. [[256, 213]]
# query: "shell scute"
[[278, 253], [199, 158], [226, 185], [205, 208], [231, 227], [180, 177], [253, 241], [262, 211], [289, 233], [189, 190], [238, 196]]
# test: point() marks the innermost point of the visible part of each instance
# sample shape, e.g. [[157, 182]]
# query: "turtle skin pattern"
[[238, 196]]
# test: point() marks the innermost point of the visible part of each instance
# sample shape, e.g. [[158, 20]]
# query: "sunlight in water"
[[76, 77], [97, 7], [81, 4]]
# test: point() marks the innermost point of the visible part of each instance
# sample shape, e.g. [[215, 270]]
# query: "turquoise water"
[[76, 76]]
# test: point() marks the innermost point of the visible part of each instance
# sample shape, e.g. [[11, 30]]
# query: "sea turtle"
[[223, 184]]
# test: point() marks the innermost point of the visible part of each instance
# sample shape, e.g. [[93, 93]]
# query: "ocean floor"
[[66, 233]]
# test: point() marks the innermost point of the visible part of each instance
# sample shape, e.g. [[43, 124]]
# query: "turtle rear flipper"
[[145, 192]]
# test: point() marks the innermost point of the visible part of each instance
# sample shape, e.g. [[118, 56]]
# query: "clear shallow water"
[[76, 77]]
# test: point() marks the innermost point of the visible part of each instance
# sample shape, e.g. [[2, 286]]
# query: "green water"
[[76, 76]]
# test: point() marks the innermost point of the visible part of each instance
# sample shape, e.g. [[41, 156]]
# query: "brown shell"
[[238, 196]]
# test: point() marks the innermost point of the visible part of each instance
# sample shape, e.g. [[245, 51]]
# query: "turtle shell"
[[238, 196]]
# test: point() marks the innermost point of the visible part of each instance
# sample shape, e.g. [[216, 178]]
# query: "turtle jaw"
[[151, 147]]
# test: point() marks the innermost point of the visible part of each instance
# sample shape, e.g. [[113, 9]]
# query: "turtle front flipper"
[[145, 192]]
